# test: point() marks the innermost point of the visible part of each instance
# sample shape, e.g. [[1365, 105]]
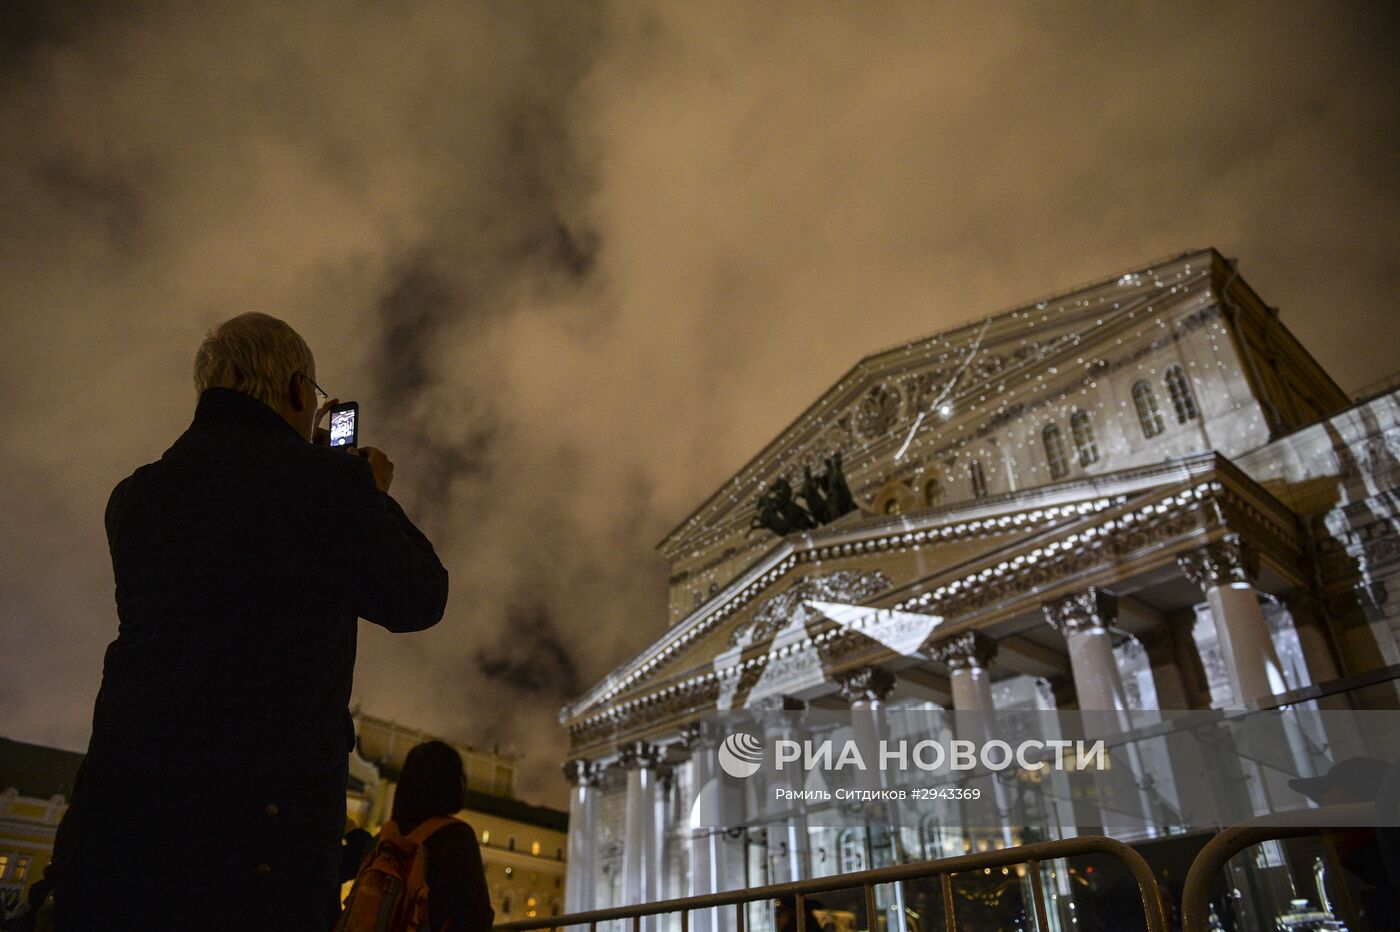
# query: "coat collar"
[[226, 404]]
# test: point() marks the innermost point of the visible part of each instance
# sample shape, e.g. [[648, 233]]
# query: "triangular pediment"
[[816, 582]]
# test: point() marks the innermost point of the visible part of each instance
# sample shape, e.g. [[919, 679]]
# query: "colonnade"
[[1225, 570]]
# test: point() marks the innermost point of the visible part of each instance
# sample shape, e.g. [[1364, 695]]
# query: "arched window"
[[505, 905], [979, 479], [1084, 438], [532, 906], [1146, 401], [1055, 451], [1180, 391], [510, 843], [933, 492], [851, 848], [535, 848]]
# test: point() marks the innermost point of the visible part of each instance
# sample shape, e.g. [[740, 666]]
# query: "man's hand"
[[383, 467], [318, 433]]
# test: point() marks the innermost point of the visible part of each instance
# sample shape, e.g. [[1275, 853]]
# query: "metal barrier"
[[1195, 896], [1031, 855]]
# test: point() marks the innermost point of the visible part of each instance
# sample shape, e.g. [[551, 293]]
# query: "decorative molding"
[[692, 735], [777, 612], [1222, 562], [1082, 611], [866, 684], [971, 649], [583, 772], [639, 755]]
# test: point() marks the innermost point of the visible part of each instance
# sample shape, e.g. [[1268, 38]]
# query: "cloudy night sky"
[[578, 262]]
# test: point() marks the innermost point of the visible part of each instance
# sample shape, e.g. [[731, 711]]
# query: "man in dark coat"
[[213, 792]]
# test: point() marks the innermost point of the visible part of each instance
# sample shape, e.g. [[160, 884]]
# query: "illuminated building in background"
[[1144, 493], [36, 783], [523, 847]]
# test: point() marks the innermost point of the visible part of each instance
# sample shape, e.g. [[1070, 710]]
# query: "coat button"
[[264, 870], [271, 809]]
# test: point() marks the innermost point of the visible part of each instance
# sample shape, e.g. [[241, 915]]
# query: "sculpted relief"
[[775, 613]]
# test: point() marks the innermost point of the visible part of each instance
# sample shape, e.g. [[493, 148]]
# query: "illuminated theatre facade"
[[1142, 494]]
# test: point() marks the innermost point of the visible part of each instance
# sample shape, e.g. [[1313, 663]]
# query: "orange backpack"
[[391, 890]]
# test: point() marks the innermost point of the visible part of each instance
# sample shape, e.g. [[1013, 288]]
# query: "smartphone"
[[345, 424]]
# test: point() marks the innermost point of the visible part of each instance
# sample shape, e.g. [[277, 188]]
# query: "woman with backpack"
[[425, 868]]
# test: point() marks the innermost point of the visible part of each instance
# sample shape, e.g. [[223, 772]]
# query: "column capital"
[[639, 755], [1220, 563], [1082, 611], [866, 684], [971, 649], [778, 703], [582, 772], [692, 735]]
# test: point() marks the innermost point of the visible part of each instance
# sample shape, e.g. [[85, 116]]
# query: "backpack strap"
[[427, 827]]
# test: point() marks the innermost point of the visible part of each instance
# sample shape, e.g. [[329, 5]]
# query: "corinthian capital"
[[692, 735], [580, 772], [1220, 563], [866, 684], [1082, 611], [639, 754], [969, 649]]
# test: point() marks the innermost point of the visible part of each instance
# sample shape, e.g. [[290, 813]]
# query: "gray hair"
[[253, 353]]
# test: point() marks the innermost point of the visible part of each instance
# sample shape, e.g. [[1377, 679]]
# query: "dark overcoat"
[[215, 778]]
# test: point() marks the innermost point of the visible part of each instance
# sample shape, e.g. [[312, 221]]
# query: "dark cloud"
[[547, 670], [578, 262], [411, 314]]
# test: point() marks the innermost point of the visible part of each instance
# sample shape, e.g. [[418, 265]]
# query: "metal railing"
[[1195, 895], [1031, 855]]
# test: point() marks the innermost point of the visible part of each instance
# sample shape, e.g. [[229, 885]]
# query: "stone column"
[[709, 847], [662, 785], [1167, 675], [638, 876], [866, 689], [787, 841], [579, 882], [1306, 611], [1084, 619], [1226, 569], [967, 656]]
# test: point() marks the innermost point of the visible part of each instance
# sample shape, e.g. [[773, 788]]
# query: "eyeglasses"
[[316, 387]]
